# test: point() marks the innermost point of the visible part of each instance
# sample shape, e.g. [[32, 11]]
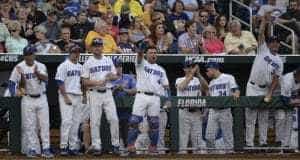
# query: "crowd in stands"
[[172, 26]]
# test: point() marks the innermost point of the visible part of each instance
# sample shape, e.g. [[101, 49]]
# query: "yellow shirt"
[[232, 42], [109, 44], [136, 9]]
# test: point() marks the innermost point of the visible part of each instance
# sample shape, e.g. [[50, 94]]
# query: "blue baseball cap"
[[213, 65], [97, 42], [29, 50]]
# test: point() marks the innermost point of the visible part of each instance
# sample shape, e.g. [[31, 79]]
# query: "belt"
[[146, 93], [34, 95], [260, 86], [99, 90]]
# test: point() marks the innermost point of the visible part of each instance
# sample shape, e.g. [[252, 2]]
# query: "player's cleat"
[[31, 154], [131, 149], [64, 152], [152, 149], [116, 150], [75, 152], [46, 153], [94, 152]]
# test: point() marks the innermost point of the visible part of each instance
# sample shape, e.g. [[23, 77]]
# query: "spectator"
[[80, 29], [93, 13], [26, 25], [103, 6], [202, 20], [161, 39], [6, 11], [271, 7], [190, 6], [48, 6], [72, 8], [212, 12], [43, 45], [35, 15], [4, 33], [292, 17], [124, 45], [178, 17], [65, 40], [158, 17], [211, 43], [221, 27], [138, 31], [101, 31], [131, 6], [190, 42], [113, 30], [15, 43], [51, 25], [238, 41]]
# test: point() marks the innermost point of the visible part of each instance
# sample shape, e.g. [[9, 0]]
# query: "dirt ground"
[[245, 156]]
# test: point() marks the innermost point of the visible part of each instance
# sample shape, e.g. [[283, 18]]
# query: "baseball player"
[[143, 139], [122, 87], [98, 72], [222, 84], [264, 79], [150, 77], [191, 119], [70, 101], [34, 104], [290, 94]]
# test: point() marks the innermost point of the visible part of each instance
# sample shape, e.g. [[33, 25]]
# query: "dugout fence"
[[239, 66]]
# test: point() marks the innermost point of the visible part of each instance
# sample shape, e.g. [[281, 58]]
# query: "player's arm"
[[41, 74], [15, 77], [182, 85], [203, 82], [234, 88], [274, 85], [93, 83], [140, 57], [132, 87]]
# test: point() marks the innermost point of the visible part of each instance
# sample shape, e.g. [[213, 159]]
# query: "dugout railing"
[[239, 66], [237, 108]]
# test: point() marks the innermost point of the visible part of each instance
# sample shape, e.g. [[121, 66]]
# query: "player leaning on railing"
[[264, 79]]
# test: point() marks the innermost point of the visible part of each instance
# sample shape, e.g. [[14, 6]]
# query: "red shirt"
[[214, 46]]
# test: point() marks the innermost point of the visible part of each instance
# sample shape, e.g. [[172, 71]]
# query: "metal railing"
[[242, 5], [291, 46]]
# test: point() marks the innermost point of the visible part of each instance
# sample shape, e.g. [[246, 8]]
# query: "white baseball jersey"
[[150, 77], [222, 86], [289, 87], [264, 66], [192, 89], [32, 84], [162, 90], [70, 73], [97, 69]]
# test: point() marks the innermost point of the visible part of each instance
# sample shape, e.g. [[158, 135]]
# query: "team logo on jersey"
[[191, 102], [73, 73], [270, 61], [192, 88], [30, 76], [100, 68], [152, 71]]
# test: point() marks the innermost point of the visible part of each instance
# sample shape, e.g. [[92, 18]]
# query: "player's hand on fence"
[[236, 96], [268, 98], [67, 100]]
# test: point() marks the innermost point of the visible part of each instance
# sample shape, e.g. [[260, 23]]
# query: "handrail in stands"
[[231, 16]]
